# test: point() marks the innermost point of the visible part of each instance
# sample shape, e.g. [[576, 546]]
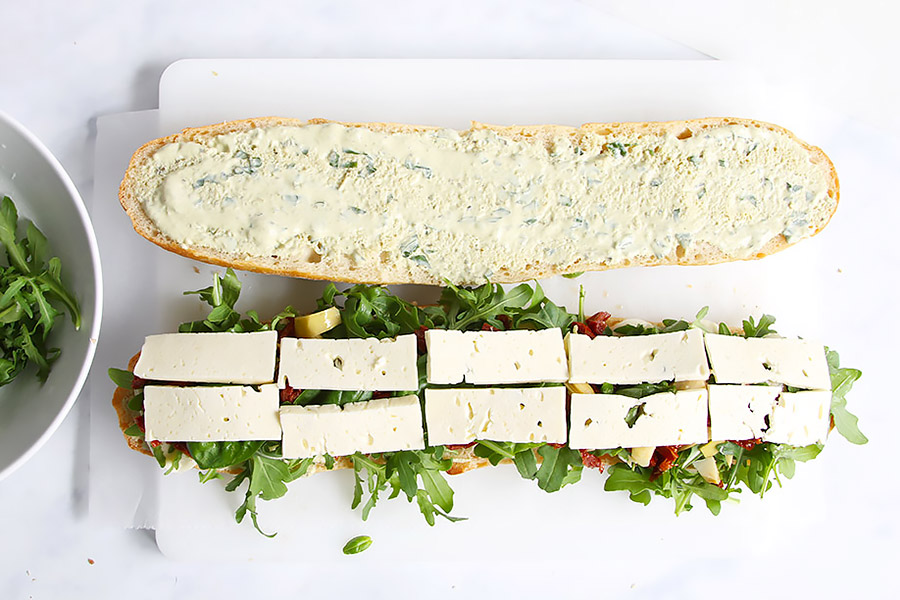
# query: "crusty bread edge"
[[701, 254]]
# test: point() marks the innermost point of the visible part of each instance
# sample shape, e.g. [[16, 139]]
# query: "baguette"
[[391, 203]]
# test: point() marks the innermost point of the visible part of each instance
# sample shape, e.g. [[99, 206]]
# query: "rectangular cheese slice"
[[229, 413], [793, 362], [209, 357], [600, 421], [741, 412], [383, 425], [350, 364], [460, 416], [800, 418], [496, 357], [677, 356]]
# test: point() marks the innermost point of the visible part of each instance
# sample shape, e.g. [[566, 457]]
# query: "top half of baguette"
[[390, 203]]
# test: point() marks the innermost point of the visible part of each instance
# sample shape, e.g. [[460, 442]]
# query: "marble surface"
[[66, 63]]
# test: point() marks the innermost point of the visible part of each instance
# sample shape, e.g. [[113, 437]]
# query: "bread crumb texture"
[[386, 203]]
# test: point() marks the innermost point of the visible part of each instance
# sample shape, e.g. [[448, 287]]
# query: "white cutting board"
[[504, 512]]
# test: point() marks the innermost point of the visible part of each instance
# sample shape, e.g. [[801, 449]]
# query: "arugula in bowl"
[[33, 298]]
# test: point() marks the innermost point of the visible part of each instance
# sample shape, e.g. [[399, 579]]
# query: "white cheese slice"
[[383, 425], [741, 412], [209, 357], [460, 416], [676, 356], [598, 421], [229, 413], [800, 418], [496, 357], [350, 364], [793, 362]]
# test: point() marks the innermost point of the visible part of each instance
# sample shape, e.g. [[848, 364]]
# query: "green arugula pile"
[[31, 292], [418, 475]]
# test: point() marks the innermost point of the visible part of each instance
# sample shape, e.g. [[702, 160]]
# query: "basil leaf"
[[358, 544], [220, 455], [634, 413], [121, 377]]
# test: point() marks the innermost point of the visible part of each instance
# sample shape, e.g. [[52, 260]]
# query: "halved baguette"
[[391, 203]]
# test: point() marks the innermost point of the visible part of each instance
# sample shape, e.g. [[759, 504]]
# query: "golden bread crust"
[[699, 253]]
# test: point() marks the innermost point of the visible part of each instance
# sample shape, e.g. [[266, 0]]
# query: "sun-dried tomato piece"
[[597, 322], [420, 340], [289, 394], [590, 461], [747, 444], [584, 329], [459, 446], [287, 330], [664, 458]]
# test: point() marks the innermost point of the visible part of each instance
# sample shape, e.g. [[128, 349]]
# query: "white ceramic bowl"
[[42, 191]]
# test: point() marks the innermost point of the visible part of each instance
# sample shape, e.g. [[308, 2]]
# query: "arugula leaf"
[[841, 382], [622, 478], [485, 303], [756, 467], [267, 478], [522, 454], [402, 471], [9, 223], [521, 307], [629, 330], [372, 311], [763, 328], [547, 315], [679, 483], [222, 296], [668, 326], [560, 466]]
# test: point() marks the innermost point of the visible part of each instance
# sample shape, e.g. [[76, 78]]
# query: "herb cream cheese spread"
[[463, 205]]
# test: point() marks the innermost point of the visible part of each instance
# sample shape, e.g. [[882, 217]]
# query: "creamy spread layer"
[[462, 205]]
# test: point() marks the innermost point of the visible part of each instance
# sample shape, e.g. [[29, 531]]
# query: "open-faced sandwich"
[[406, 394]]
